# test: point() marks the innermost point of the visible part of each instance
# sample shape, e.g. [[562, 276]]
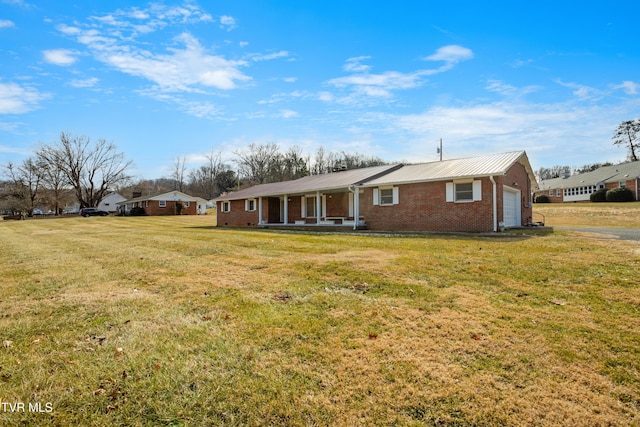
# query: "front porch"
[[313, 227], [338, 209]]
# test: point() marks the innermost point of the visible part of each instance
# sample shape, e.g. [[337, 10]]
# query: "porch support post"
[[356, 207], [259, 210], [286, 209], [318, 207]]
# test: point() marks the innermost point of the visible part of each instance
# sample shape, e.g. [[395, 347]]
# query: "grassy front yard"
[[589, 214], [168, 321]]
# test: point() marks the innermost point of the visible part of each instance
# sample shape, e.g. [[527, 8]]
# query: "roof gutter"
[[495, 204]]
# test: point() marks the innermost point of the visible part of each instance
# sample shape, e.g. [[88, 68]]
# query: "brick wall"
[[154, 208], [238, 216], [421, 207]]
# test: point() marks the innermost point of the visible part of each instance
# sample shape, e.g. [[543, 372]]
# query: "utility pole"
[[440, 149]]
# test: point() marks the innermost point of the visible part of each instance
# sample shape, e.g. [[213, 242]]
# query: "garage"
[[511, 207]]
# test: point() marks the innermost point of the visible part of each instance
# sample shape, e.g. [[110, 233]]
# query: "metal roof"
[[487, 165], [310, 184], [615, 173]]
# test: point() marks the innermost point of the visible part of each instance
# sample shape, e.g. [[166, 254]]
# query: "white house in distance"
[[110, 202]]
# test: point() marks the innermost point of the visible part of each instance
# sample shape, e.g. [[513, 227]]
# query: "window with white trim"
[[187, 204], [162, 203], [622, 184], [250, 205], [226, 206], [558, 193], [464, 191], [386, 196]]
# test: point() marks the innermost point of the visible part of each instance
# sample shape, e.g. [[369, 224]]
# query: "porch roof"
[[312, 183]]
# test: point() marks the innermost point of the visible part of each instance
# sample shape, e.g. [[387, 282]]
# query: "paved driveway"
[[613, 233]]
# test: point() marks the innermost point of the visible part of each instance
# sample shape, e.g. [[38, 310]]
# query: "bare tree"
[[257, 162], [202, 181], [53, 178], [628, 134], [24, 190], [179, 170], [92, 169]]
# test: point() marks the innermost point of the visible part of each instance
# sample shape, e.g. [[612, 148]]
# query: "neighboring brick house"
[[578, 188], [162, 204], [478, 194]]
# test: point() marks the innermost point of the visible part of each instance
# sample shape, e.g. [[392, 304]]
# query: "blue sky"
[[173, 79]]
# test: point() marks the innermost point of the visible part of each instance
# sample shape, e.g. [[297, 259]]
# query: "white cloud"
[[84, 83], [4, 23], [558, 131], [188, 69], [270, 56], [581, 91], [227, 22], [288, 114], [451, 54], [505, 89], [378, 85], [629, 87], [63, 57], [363, 84], [16, 99], [355, 64]]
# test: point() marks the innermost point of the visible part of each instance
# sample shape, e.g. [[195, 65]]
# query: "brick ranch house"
[[162, 204], [479, 194], [578, 188]]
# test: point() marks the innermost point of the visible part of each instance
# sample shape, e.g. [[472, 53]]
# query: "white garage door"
[[511, 207]]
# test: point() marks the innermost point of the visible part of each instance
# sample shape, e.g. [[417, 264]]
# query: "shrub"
[[543, 198], [599, 196], [137, 211], [620, 194]]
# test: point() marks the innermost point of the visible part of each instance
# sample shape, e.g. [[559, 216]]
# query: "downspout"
[[495, 203]]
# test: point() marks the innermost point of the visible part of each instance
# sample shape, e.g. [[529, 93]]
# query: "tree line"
[[76, 169]]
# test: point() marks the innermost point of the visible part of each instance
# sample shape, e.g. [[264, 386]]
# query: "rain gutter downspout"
[[495, 204]]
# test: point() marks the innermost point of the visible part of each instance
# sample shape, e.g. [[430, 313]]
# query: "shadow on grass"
[[507, 235]]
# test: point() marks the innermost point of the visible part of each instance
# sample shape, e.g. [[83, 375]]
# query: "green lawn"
[[170, 321]]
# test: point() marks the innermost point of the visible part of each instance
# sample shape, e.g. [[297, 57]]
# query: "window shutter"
[[396, 195], [450, 190], [376, 196], [246, 205], [324, 206], [477, 190], [303, 206], [350, 204]]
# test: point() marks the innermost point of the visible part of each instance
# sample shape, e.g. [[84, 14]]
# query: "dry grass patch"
[[168, 321]]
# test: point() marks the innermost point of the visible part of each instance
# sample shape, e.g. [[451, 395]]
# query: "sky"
[[185, 79]]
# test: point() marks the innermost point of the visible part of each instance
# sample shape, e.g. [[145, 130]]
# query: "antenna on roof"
[[439, 150]]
